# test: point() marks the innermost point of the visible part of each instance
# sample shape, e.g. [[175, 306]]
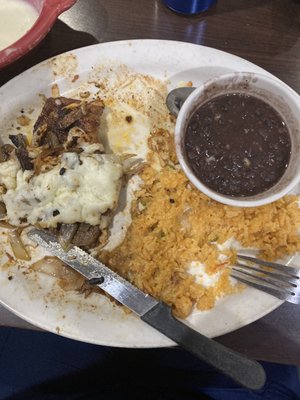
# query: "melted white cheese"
[[8, 173], [88, 188], [16, 18]]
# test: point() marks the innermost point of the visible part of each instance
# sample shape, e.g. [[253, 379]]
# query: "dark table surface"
[[265, 32]]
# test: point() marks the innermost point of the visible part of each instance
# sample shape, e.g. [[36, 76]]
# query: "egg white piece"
[[125, 130]]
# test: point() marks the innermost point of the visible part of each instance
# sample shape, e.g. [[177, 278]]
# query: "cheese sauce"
[[16, 18]]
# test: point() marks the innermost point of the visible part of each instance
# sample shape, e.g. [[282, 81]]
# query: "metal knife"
[[246, 372]]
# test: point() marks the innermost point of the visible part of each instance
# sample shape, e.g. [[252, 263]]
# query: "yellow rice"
[[174, 224]]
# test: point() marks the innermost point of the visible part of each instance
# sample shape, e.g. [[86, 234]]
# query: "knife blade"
[[157, 314]]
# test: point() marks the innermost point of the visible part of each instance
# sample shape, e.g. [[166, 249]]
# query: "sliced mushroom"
[[66, 234], [24, 159], [5, 152], [2, 210], [21, 152], [18, 140]]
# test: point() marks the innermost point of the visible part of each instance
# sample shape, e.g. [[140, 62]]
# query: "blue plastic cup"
[[189, 7]]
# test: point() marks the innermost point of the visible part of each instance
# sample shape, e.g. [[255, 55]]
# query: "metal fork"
[[281, 281]]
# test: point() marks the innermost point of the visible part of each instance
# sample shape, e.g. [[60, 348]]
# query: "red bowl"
[[48, 11]]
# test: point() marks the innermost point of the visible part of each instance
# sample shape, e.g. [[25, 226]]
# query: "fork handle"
[[246, 372]]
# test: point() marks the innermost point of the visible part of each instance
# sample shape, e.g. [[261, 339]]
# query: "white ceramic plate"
[[96, 319]]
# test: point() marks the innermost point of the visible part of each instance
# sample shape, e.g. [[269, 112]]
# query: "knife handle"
[[246, 372]]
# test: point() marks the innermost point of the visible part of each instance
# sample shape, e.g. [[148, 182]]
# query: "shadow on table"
[[274, 33], [232, 5], [285, 21], [60, 39], [255, 339]]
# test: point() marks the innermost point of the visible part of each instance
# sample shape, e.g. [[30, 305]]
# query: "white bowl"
[[271, 90]]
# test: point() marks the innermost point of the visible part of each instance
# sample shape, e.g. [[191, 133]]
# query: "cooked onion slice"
[[6, 225], [17, 246], [68, 279]]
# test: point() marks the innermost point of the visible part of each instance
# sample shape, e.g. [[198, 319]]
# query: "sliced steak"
[[60, 114], [90, 121], [86, 235]]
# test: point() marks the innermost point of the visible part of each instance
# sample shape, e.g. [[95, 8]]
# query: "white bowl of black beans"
[[237, 139]]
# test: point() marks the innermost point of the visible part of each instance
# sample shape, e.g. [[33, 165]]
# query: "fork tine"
[[282, 277], [277, 266], [267, 280], [281, 281], [282, 295], [293, 299]]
